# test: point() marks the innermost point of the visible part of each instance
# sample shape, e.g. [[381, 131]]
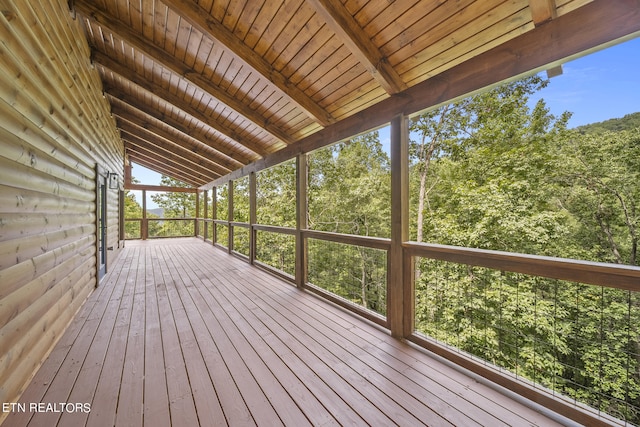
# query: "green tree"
[[174, 205], [600, 179], [349, 192]]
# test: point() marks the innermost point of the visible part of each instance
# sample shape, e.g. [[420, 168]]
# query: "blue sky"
[[596, 87], [599, 86]]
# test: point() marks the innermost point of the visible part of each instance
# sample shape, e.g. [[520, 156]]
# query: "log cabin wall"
[[56, 131]]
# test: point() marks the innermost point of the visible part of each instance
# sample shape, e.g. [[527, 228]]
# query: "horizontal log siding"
[[55, 126]]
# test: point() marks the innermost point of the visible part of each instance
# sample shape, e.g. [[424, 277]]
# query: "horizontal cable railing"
[[568, 328]]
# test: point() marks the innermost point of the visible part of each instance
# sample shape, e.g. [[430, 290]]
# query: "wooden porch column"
[[399, 285], [205, 233], [196, 225], [144, 227], [214, 214], [230, 216], [253, 214], [301, 220]]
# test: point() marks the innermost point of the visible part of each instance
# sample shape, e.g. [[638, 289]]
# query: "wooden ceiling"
[[200, 89]]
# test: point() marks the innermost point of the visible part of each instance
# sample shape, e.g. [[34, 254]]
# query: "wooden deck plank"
[[181, 405], [181, 333], [373, 387], [105, 399], [156, 396], [69, 352], [251, 392], [283, 388], [204, 393], [131, 397], [376, 348]]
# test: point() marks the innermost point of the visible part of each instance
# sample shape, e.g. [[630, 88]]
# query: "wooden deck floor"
[[180, 333]]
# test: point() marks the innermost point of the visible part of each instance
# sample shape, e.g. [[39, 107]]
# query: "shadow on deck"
[[181, 333]]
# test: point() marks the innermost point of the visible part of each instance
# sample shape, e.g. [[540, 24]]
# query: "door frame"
[[101, 222]]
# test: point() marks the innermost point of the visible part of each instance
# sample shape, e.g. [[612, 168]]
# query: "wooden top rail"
[[275, 229], [162, 219], [350, 239], [595, 273], [239, 224], [162, 188]]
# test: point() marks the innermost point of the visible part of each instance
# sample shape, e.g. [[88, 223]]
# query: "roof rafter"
[[171, 165], [200, 18], [543, 11], [183, 139], [118, 96], [126, 73], [152, 164], [169, 62], [353, 36], [543, 47], [179, 143], [159, 160], [192, 160]]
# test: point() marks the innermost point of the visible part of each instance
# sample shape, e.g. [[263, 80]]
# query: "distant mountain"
[[157, 211], [630, 121]]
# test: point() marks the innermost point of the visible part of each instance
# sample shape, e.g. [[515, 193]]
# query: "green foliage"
[[489, 172], [628, 122], [276, 193], [350, 188], [174, 205]]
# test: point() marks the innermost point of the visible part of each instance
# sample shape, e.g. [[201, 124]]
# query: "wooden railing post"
[[144, 226], [230, 216], [399, 283], [205, 216], [252, 216], [301, 219], [214, 214], [196, 224]]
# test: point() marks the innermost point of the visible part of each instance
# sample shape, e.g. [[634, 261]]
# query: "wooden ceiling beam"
[[192, 160], [229, 158], [341, 22], [169, 62], [152, 164], [542, 11], [150, 125], [138, 144], [157, 90], [159, 164], [202, 20], [589, 28]]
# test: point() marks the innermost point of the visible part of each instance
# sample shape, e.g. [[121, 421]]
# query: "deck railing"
[[570, 329], [473, 307], [152, 228], [518, 320]]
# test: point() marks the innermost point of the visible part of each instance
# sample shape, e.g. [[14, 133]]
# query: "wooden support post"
[[205, 234], [196, 224], [144, 227], [301, 219], [127, 174], [399, 289], [230, 215], [214, 214], [252, 216]]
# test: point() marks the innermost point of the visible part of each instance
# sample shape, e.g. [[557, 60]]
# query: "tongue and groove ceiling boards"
[[201, 88]]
